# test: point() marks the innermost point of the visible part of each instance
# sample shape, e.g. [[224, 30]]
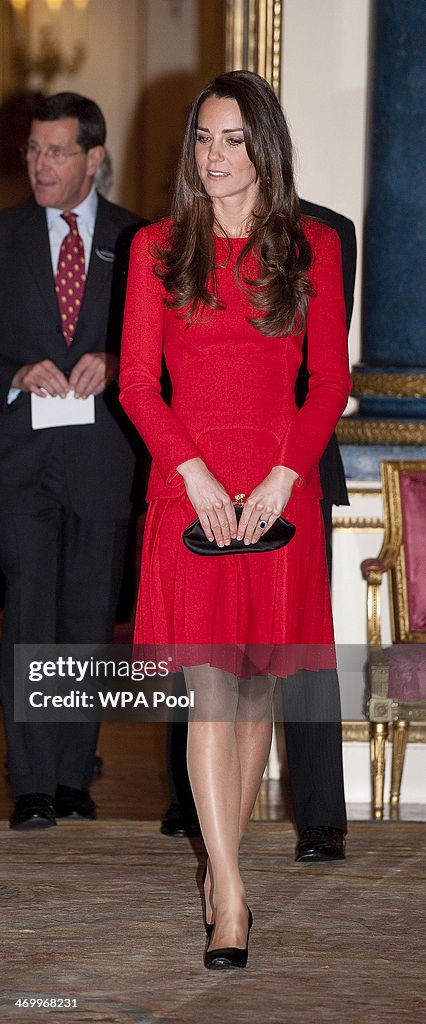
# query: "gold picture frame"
[[253, 38], [393, 551]]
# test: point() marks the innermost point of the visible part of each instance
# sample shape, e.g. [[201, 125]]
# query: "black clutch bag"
[[279, 534]]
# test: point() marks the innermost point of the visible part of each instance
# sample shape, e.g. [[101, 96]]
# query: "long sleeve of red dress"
[[165, 436], [329, 378]]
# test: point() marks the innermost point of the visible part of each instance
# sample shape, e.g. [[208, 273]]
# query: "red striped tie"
[[70, 277]]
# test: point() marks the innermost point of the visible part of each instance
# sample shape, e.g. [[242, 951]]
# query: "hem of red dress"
[[244, 661]]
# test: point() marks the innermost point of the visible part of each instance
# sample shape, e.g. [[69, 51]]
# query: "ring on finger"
[[262, 524]]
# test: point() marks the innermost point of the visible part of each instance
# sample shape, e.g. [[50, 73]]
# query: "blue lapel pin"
[[105, 253]]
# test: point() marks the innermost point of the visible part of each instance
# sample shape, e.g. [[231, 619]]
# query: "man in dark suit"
[[311, 701], [65, 489]]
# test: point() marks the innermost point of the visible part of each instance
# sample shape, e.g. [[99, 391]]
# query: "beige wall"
[[324, 94], [184, 46]]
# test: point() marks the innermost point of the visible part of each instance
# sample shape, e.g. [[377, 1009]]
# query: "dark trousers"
[[313, 735], [63, 576]]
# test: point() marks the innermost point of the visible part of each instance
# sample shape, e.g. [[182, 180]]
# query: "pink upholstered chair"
[[397, 674]]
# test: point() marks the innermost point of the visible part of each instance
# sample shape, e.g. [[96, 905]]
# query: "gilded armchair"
[[397, 674]]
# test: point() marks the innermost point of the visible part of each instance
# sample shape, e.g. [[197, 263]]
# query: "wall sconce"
[[36, 67], [53, 5], [18, 5]]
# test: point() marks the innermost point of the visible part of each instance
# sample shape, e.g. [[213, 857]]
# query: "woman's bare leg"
[[253, 731], [226, 761], [215, 776]]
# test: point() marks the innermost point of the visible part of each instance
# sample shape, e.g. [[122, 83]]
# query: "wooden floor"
[[108, 914]]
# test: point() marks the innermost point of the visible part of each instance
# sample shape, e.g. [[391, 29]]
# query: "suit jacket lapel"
[[98, 281]]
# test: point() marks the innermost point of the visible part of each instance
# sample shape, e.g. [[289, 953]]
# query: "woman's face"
[[224, 167]]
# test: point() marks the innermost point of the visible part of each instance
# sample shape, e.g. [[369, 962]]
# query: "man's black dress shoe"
[[229, 957], [33, 810], [322, 843], [179, 822], [74, 803]]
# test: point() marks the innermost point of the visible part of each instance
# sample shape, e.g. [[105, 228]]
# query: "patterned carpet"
[[108, 914]]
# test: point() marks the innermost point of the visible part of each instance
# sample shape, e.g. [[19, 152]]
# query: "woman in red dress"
[[224, 290]]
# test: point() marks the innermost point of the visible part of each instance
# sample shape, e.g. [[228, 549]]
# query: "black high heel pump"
[[228, 957]]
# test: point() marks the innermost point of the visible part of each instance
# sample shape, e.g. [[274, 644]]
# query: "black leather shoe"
[[74, 803], [33, 810], [319, 844], [179, 822], [228, 957]]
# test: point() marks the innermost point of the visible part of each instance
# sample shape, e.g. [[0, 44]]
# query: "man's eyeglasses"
[[53, 154]]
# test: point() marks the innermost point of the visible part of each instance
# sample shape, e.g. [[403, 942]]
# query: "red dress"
[[233, 406]]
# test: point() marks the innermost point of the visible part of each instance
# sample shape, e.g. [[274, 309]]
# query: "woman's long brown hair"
[[280, 289]]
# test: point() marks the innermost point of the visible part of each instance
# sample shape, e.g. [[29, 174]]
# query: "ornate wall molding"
[[253, 38], [363, 492], [356, 523], [396, 385], [363, 431]]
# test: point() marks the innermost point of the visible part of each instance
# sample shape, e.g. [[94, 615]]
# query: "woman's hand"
[[266, 503], [212, 504]]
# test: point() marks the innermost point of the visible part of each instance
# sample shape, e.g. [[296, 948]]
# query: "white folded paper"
[[61, 412]]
